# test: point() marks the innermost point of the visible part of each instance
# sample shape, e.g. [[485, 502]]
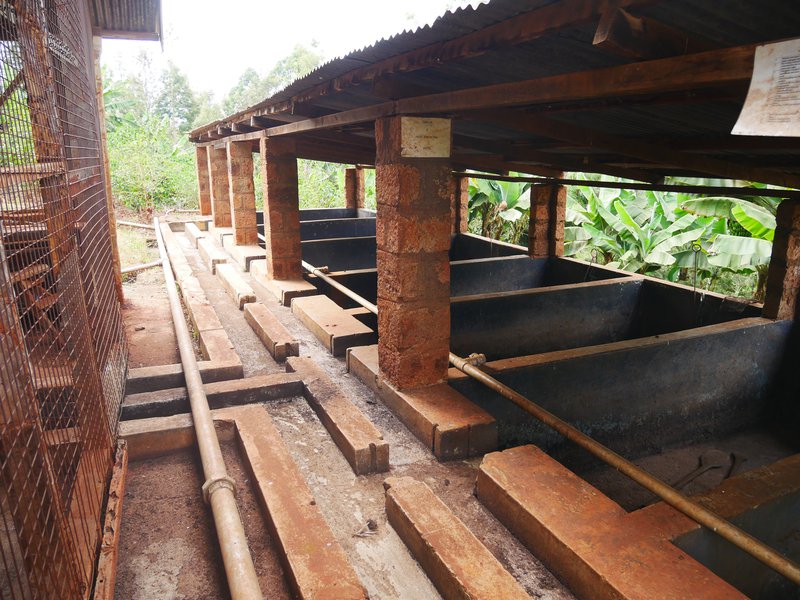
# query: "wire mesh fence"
[[62, 350]]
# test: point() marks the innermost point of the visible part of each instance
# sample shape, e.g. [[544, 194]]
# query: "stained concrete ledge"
[[238, 289], [284, 291], [449, 424], [243, 255], [272, 333], [457, 563], [194, 233], [357, 438], [211, 254], [236, 392], [585, 538], [332, 325]]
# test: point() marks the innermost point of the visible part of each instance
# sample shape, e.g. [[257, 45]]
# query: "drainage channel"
[[668, 494]]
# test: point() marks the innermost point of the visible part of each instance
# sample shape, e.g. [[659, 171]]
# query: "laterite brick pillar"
[[218, 175], [414, 187], [354, 187], [546, 228], [459, 207], [281, 208], [783, 279], [242, 193], [203, 183]]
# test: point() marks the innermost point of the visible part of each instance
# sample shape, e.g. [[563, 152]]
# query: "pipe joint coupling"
[[476, 360], [212, 485]]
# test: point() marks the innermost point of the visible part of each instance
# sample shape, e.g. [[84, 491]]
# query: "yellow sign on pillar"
[[424, 138]]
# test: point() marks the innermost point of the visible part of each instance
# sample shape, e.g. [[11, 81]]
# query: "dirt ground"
[[168, 547], [148, 322]]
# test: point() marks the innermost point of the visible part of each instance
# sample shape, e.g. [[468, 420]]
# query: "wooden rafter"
[[655, 153]]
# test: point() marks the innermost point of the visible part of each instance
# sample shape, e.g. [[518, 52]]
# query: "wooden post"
[[97, 45], [414, 190], [203, 183], [546, 228], [242, 193], [354, 187], [783, 279]]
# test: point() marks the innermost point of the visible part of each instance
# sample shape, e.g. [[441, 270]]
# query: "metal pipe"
[[219, 488], [142, 267], [342, 288], [741, 539], [134, 225]]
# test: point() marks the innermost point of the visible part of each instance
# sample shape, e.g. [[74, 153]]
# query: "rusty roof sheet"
[[135, 19], [685, 118]]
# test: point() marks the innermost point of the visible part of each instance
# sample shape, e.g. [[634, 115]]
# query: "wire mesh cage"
[[62, 348]]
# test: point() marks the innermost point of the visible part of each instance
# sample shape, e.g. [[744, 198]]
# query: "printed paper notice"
[[772, 106]]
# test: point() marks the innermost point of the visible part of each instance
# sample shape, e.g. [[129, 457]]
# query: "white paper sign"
[[424, 138], [772, 106]]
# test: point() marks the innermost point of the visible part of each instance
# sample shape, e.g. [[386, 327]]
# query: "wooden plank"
[[109, 546], [643, 38]]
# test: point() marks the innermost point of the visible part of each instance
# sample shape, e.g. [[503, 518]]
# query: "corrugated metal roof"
[[136, 19], [348, 82]]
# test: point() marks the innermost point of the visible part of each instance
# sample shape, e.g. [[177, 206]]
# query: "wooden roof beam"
[[695, 71], [654, 153], [643, 38]]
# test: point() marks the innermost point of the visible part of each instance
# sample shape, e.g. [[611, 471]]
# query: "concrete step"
[[331, 324], [358, 439], [586, 539], [193, 233], [238, 289], [211, 254], [272, 333], [444, 420], [458, 564]]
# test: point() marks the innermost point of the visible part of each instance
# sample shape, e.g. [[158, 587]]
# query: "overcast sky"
[[213, 42]]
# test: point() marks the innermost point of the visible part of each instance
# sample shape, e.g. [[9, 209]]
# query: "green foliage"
[[252, 88], [16, 135], [150, 165], [724, 242], [176, 101], [499, 209]]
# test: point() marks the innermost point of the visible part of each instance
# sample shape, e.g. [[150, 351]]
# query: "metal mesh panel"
[[62, 351]]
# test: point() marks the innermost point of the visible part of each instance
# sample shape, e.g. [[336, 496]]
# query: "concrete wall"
[[341, 254], [336, 228], [640, 395]]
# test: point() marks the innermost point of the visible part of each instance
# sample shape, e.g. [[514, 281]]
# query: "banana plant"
[[502, 208], [746, 244], [635, 232]]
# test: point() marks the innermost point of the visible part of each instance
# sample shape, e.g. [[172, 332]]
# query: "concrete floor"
[[168, 553]]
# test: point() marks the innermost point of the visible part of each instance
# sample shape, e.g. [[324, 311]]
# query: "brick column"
[[281, 208], [546, 228], [783, 279], [354, 187], [203, 183], [242, 193], [414, 188], [218, 176], [459, 206]]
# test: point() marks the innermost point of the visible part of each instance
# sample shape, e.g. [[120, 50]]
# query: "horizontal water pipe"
[[219, 488]]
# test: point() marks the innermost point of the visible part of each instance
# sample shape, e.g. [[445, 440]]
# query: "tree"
[[252, 88], [249, 90], [176, 101]]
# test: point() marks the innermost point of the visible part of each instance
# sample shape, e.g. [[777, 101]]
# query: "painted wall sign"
[[424, 138], [772, 106]]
